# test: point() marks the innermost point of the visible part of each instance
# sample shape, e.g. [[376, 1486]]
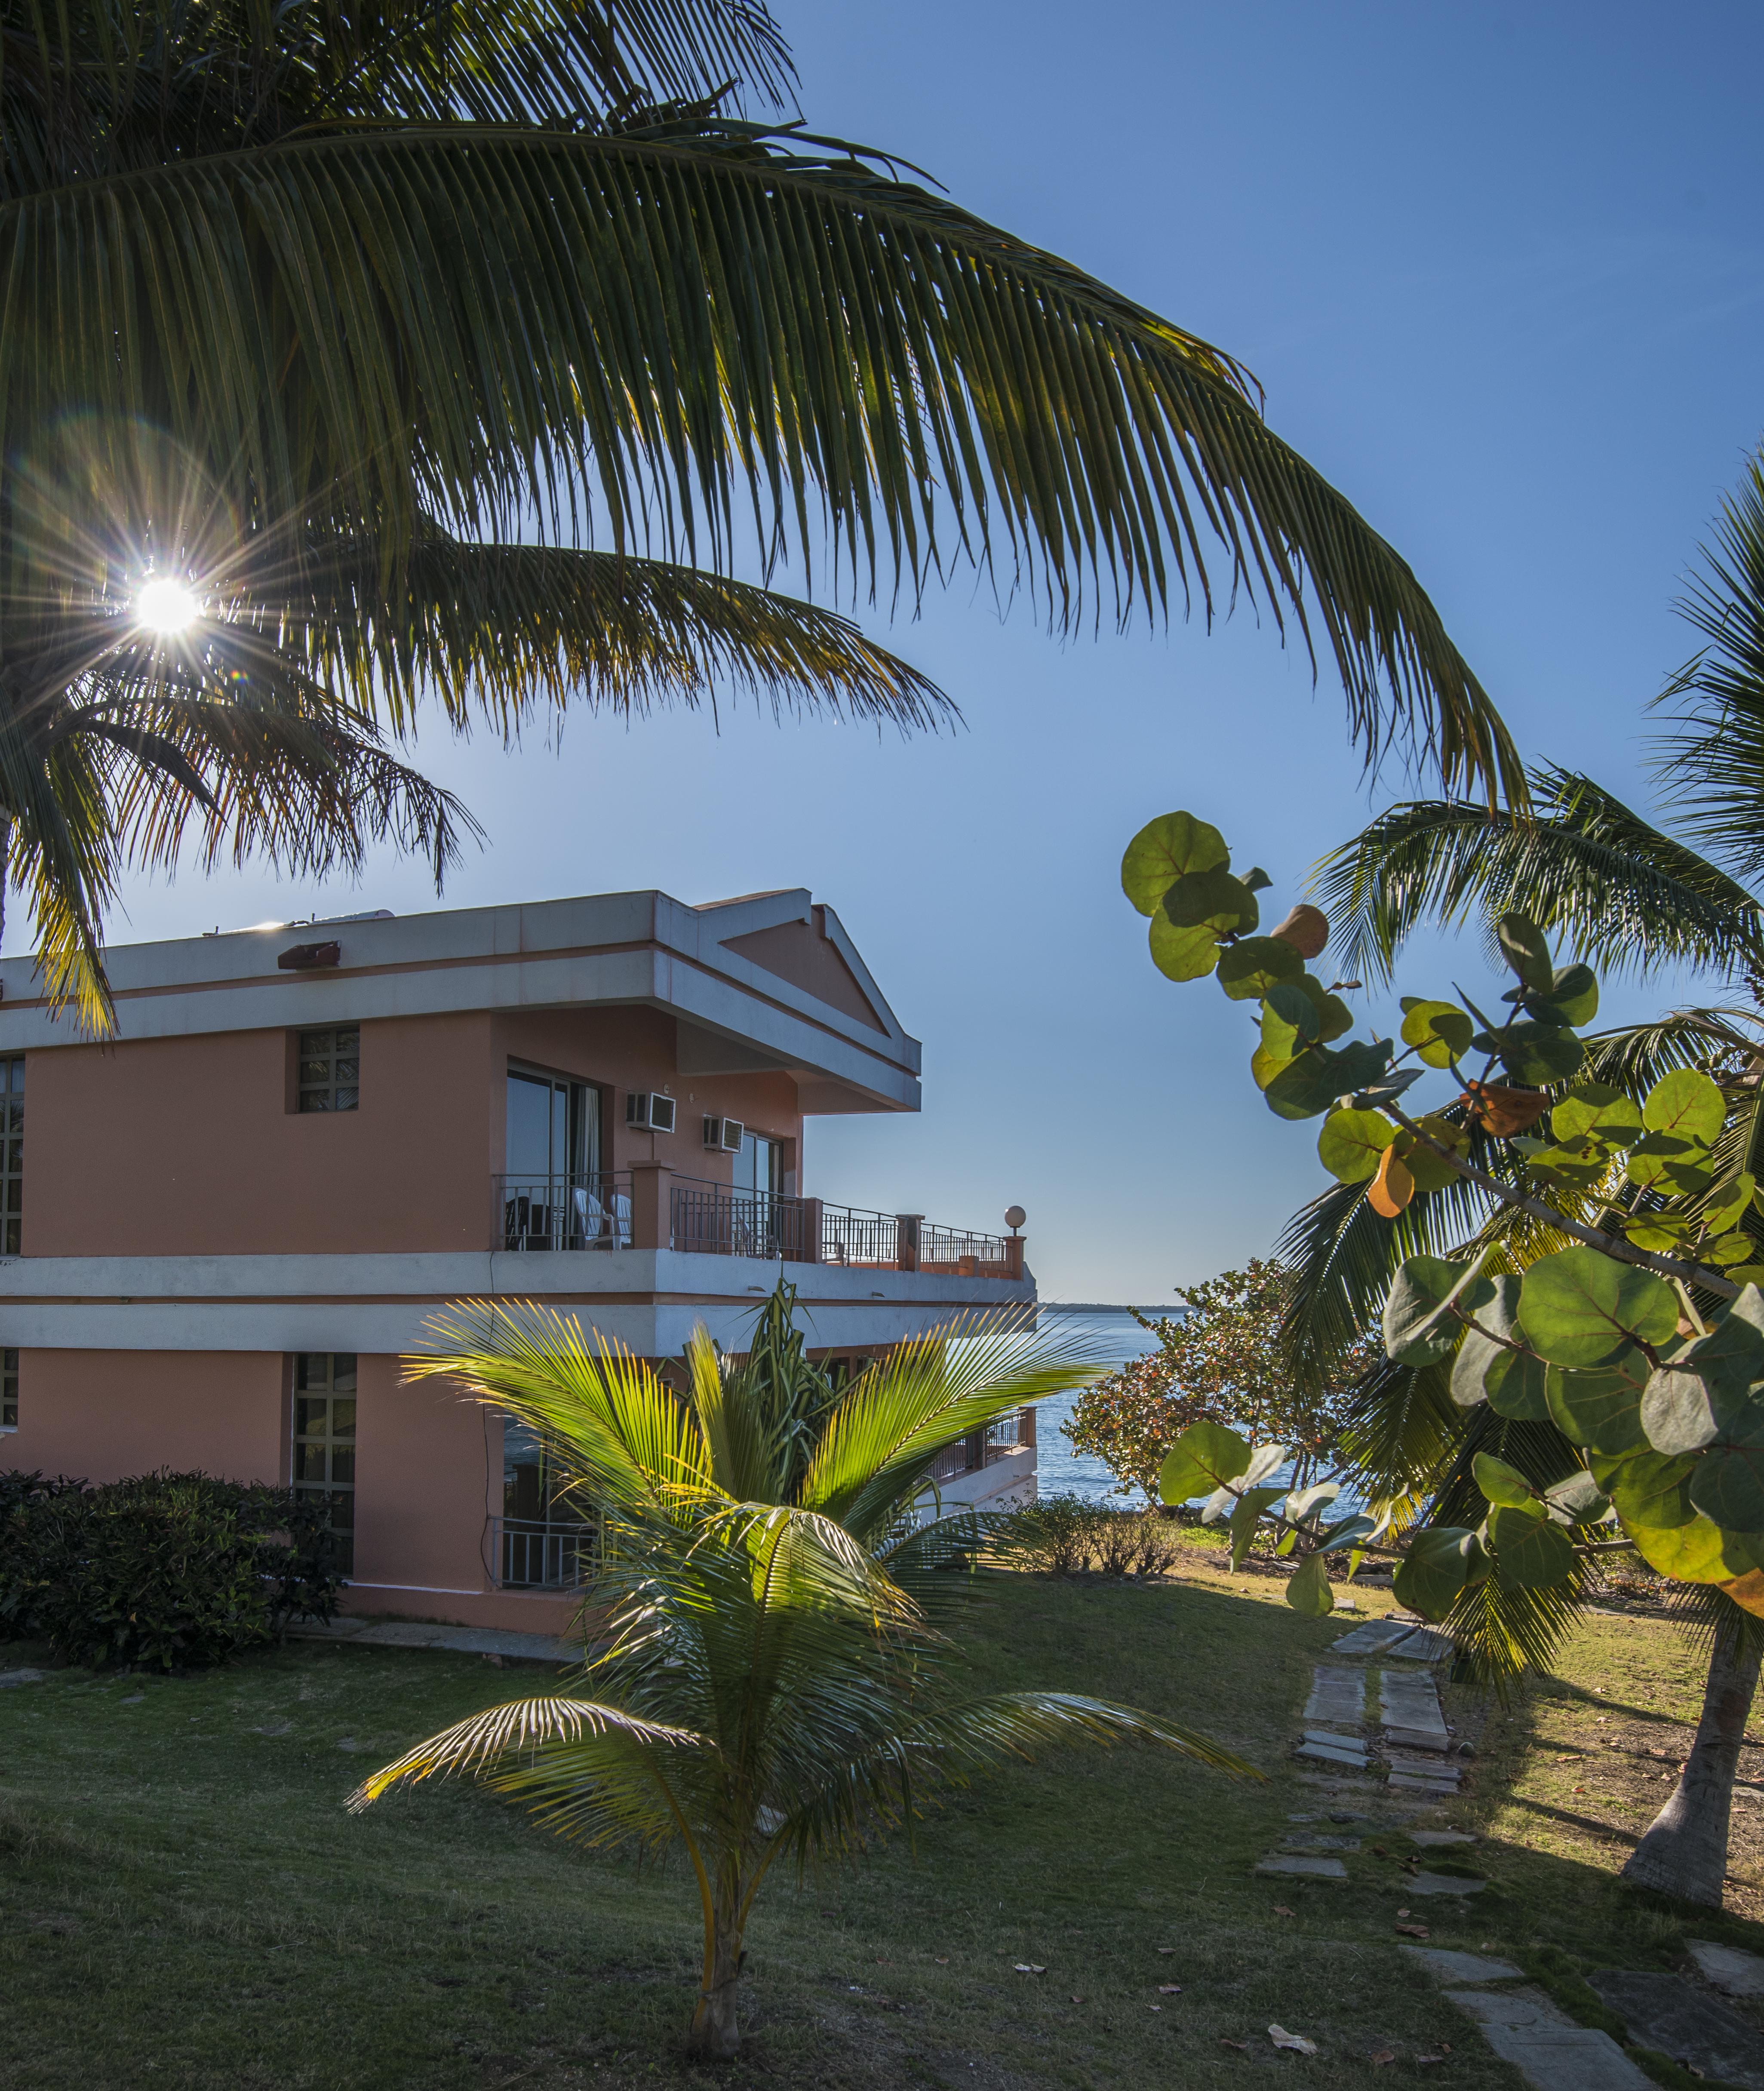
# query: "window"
[[11, 1153], [329, 1076], [9, 1389], [324, 1440], [543, 1541]]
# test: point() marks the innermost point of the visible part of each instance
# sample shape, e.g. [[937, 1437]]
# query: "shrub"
[[1064, 1535], [164, 1570]]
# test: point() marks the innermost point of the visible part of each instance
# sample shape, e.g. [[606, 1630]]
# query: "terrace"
[[648, 1207]]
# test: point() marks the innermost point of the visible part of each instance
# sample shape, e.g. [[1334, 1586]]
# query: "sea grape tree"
[[1640, 1337]]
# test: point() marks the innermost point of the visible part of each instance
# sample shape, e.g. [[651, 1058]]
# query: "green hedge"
[[163, 1572]]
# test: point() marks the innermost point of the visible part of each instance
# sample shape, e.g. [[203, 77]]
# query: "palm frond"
[[476, 1746], [1579, 862], [471, 320]]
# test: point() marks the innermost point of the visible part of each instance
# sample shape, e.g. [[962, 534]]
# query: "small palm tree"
[[1635, 897], [772, 1680], [442, 347]]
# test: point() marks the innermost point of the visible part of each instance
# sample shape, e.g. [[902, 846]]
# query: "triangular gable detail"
[[802, 954]]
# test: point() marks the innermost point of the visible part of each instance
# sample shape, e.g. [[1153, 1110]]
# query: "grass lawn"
[[185, 1904]]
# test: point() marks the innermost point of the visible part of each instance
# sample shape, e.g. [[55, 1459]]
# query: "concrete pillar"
[[1025, 1429], [906, 1240], [652, 1217], [1013, 1256], [809, 1222]]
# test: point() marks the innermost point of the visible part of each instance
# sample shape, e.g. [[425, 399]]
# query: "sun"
[[166, 607]]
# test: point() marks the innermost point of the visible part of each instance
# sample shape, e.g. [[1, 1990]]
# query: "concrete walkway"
[[1525, 2029], [459, 1640]]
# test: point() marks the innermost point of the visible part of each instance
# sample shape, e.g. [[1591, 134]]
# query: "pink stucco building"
[[220, 1231]]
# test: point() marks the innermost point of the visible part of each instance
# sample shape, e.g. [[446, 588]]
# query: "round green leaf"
[[1523, 946], [1212, 899], [1420, 1327], [1433, 1572], [1540, 1054], [1572, 998], [1702, 1387], [1685, 1102], [1309, 1592], [1333, 1014], [1579, 1499], [1599, 1409], [1728, 1484], [1650, 1490], [1164, 850], [1530, 1552], [1353, 1142], [1440, 1030], [1729, 1203], [1596, 1109], [1698, 1552], [1580, 1307], [1250, 967], [1203, 1458], [1511, 1381], [1504, 1484], [1181, 954]]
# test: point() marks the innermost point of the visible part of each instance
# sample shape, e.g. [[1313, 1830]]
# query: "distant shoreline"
[[1103, 1307]]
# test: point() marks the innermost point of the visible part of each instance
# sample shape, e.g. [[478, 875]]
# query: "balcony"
[[982, 1448], [649, 1208], [535, 1554]]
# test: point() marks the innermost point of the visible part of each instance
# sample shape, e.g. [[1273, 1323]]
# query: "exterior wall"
[[188, 1146], [102, 1415]]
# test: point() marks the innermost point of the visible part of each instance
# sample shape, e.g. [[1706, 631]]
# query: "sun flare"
[[166, 607]]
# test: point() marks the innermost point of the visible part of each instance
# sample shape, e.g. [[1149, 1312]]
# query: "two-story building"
[[221, 1230]]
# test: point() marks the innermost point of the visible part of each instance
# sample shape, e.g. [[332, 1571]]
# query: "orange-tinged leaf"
[[1305, 929], [1747, 1591], [1392, 1187]]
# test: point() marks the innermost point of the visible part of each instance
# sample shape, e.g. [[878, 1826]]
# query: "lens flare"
[[167, 605]]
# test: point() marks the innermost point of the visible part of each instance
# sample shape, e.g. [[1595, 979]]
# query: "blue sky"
[[1502, 273]]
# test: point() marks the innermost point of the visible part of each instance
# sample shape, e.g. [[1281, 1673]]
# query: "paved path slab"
[[8, 1677], [461, 1640], [1410, 1699], [1338, 1696], [1320, 1869], [1317, 1753], [1298, 1841], [1409, 1782], [1558, 2058], [1422, 1644], [1373, 1638], [1667, 2013], [1444, 1837], [1451, 1966], [1332, 1738], [1509, 2008], [1446, 1884], [1729, 1968]]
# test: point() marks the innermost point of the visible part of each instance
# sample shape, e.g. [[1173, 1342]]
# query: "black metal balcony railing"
[[714, 1219], [1011, 1433], [578, 1212], [530, 1554]]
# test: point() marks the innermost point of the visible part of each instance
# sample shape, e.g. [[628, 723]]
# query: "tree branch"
[[1611, 1245]]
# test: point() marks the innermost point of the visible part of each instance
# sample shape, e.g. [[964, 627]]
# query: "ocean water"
[[1061, 1469]]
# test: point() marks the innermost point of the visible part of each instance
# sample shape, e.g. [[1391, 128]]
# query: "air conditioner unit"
[[724, 1134], [649, 1113]]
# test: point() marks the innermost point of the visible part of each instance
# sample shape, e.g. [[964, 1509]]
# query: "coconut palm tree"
[[461, 351], [1634, 896], [773, 1680]]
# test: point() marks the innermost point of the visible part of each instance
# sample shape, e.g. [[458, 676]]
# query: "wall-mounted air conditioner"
[[724, 1134], [649, 1113]]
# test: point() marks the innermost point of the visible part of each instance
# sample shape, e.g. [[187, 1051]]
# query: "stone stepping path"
[[1408, 1705], [1403, 1637], [1451, 1966], [1338, 1696], [1451, 1884], [8, 1677], [1298, 1841], [1319, 1869], [1670, 2015], [1729, 1968], [1425, 1837], [1523, 2028]]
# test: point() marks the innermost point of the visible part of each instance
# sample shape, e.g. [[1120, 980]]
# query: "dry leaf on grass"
[[1413, 1930], [1241, 2046], [1167, 1949], [1029, 1968], [1170, 1989], [1383, 2055], [941, 1958], [1295, 2040], [1280, 1909], [1077, 2000]]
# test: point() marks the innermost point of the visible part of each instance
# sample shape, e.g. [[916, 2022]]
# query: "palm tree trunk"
[[1684, 1853], [715, 2033]]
